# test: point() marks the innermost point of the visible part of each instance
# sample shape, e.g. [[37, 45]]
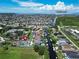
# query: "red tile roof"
[[24, 37]]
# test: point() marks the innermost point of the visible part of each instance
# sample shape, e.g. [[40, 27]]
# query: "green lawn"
[[19, 53]]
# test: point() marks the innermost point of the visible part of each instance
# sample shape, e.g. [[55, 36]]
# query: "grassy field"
[[19, 53], [68, 20]]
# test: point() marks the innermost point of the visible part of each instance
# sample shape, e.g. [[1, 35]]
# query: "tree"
[[41, 50], [10, 36], [36, 48], [52, 36], [56, 27], [49, 30], [19, 33], [54, 40], [30, 36], [6, 45]]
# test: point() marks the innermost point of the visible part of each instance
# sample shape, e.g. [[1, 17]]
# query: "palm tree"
[[52, 37], [40, 50], [6, 45], [36, 48], [54, 40]]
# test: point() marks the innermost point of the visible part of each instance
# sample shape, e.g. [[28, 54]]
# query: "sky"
[[39, 6]]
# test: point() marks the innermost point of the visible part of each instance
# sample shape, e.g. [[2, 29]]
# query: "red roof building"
[[24, 37]]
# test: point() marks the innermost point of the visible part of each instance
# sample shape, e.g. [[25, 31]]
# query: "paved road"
[[68, 38], [54, 22]]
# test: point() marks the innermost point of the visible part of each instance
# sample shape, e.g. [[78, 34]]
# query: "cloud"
[[30, 10], [46, 7], [28, 3], [60, 6], [32, 7]]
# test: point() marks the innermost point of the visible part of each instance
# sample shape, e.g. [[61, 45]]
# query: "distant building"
[[37, 39], [62, 42], [67, 48], [15, 20], [71, 55]]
